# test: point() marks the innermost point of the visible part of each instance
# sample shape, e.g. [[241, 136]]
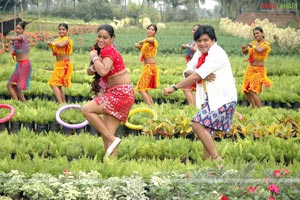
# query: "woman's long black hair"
[[95, 86]]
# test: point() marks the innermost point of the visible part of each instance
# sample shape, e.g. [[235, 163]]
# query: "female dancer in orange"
[[256, 75], [62, 48], [149, 78], [20, 79]]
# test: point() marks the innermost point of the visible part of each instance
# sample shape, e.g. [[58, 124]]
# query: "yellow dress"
[[256, 76], [149, 78], [63, 69]]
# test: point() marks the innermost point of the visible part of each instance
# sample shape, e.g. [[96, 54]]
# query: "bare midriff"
[[257, 63], [22, 56], [119, 78], [62, 57], [149, 61]]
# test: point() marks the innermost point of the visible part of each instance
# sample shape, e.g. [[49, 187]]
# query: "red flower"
[[276, 173], [188, 175], [252, 189], [273, 188], [286, 172], [271, 198], [223, 197]]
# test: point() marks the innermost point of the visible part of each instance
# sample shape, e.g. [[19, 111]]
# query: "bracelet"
[[95, 58], [92, 68], [174, 87]]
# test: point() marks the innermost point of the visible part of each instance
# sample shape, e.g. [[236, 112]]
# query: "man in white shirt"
[[216, 92]]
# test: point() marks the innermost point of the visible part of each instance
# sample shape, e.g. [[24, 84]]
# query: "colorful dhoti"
[[219, 119]]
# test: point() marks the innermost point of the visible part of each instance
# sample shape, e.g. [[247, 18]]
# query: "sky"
[[209, 4]]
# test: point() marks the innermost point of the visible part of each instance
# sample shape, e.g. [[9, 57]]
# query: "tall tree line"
[[160, 9]]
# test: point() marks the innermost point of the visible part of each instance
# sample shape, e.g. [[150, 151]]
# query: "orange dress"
[[149, 78], [63, 69], [256, 76]]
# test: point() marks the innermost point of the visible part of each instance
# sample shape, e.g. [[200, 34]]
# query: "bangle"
[[174, 87], [95, 58], [92, 68]]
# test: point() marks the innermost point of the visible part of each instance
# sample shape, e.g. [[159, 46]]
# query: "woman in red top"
[[113, 88]]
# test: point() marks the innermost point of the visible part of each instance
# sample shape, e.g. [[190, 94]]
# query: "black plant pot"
[[133, 132], [136, 101], [244, 103], [14, 127], [44, 97], [268, 103], [3, 126], [83, 98], [158, 136], [52, 98], [122, 131], [276, 105], [28, 125], [159, 101], [190, 136], [2, 96], [30, 97], [90, 129], [41, 128], [54, 126], [295, 105], [79, 130], [77, 99], [67, 131], [285, 105], [69, 99], [176, 135]]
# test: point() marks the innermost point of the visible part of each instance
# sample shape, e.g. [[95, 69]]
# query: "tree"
[[176, 3]]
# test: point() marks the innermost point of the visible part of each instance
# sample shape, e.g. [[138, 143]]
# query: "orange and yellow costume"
[[256, 76], [149, 78], [63, 69]]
